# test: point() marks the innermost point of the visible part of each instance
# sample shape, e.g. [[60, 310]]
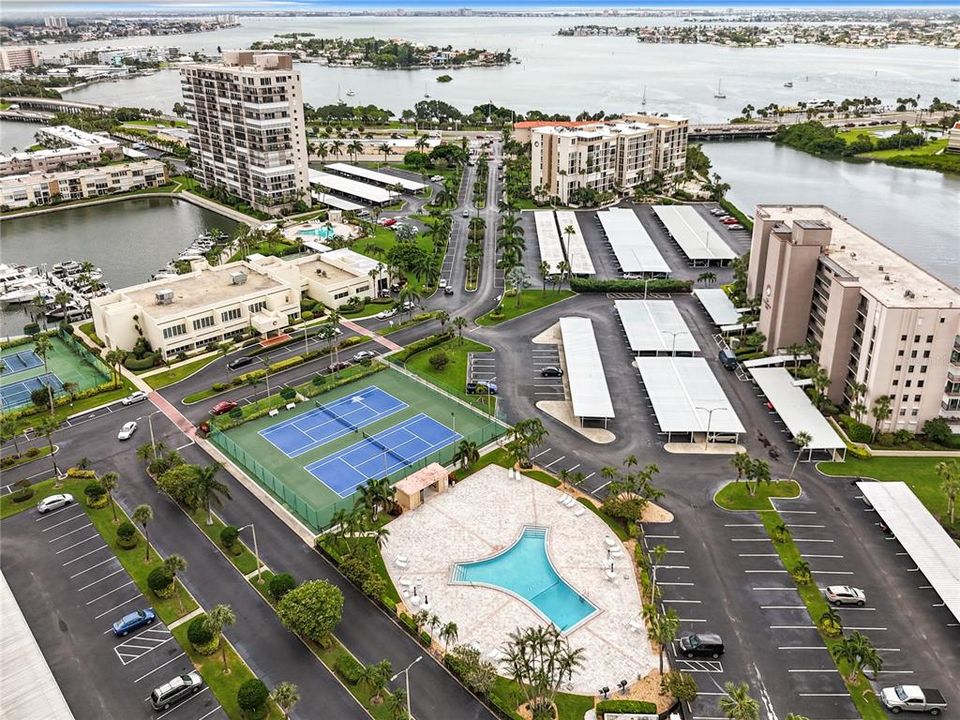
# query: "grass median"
[[530, 300], [736, 495], [175, 375]]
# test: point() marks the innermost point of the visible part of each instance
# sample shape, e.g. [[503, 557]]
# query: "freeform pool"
[[324, 233], [525, 571]]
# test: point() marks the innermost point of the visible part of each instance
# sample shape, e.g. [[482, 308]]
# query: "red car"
[[224, 406], [729, 221], [387, 222]]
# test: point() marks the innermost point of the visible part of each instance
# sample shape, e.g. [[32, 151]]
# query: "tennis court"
[[19, 361], [17, 393], [382, 454], [329, 421]]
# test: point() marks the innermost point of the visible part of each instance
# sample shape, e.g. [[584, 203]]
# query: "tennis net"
[[390, 451], [339, 418]]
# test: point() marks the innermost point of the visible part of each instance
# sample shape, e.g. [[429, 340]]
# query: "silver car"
[[845, 595], [127, 431], [54, 502]]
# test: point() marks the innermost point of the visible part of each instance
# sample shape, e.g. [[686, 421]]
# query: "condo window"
[[896, 382], [233, 314], [911, 368], [926, 353], [257, 306], [174, 330], [898, 368], [923, 368], [914, 412], [916, 398], [913, 353], [908, 383], [919, 383], [903, 338], [929, 338], [203, 322], [899, 353], [916, 338], [903, 413], [905, 398]]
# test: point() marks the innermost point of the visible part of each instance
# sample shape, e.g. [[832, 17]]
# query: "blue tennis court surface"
[[328, 422], [382, 454], [17, 393], [19, 361]]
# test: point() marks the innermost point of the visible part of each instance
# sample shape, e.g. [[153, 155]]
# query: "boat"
[[24, 293], [788, 84], [955, 79], [350, 93], [719, 93], [643, 101], [425, 93]]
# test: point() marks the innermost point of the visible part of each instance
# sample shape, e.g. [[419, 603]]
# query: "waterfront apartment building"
[[18, 58], [247, 128], [42, 188], [67, 147], [56, 22], [613, 156], [953, 139], [872, 316]]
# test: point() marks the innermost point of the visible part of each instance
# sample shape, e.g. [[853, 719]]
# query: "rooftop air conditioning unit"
[[164, 297], [238, 278]]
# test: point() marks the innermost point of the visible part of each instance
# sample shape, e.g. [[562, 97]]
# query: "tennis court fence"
[[78, 348], [319, 518]]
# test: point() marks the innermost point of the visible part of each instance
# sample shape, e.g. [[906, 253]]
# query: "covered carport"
[[923, 538], [688, 400], [653, 327], [589, 393], [718, 306], [793, 406]]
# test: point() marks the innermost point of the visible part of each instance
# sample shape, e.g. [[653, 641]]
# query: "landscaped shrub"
[[201, 637], [220, 386], [252, 698], [306, 315], [8, 461], [374, 585], [236, 413], [348, 668], [280, 584], [228, 538], [355, 568], [408, 623], [856, 431], [439, 360], [23, 493], [32, 452], [641, 707], [161, 582], [288, 393], [145, 363], [81, 474], [95, 494], [126, 535], [659, 285]]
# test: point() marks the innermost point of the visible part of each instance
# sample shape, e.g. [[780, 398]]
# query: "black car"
[[240, 362], [481, 387], [702, 645], [551, 371], [448, 290]]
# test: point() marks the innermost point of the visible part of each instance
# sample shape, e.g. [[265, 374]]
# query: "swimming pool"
[[525, 571], [323, 233]]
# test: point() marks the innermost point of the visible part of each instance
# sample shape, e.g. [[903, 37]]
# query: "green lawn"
[[734, 495], [851, 135], [569, 707], [917, 472], [530, 300], [335, 653], [453, 377], [44, 451], [931, 148], [40, 490], [174, 375], [379, 244]]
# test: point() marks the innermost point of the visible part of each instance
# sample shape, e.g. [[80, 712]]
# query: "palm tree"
[[355, 148], [45, 428], [115, 359], [459, 322], [385, 149], [8, 431], [336, 147], [802, 440], [563, 269], [858, 652], [109, 482], [286, 695], [540, 660], [375, 679], [949, 474], [449, 634], [42, 347], [217, 619], [881, 411], [821, 381], [544, 269], [737, 704], [569, 231], [173, 565], [143, 515], [397, 704], [741, 462], [207, 490], [801, 572], [410, 298], [62, 299], [663, 630], [467, 453]]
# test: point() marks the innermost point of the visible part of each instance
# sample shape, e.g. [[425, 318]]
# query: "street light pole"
[[710, 412], [153, 444], [406, 673], [266, 371], [673, 344], [256, 550]]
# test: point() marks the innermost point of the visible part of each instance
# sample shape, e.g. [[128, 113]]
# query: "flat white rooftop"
[[683, 391], [633, 247], [337, 203], [588, 384], [718, 306], [655, 326], [548, 238], [693, 234], [795, 409], [376, 177], [577, 253], [353, 188], [928, 544]]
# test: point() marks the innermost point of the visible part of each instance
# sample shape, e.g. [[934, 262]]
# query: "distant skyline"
[[25, 8]]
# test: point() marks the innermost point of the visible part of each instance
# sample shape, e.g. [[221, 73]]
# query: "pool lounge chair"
[[563, 499], [569, 502], [579, 511]]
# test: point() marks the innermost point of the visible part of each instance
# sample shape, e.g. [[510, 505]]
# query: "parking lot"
[[71, 588]]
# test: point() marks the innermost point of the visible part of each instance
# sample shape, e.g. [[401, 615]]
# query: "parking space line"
[[828, 557], [64, 522], [698, 620], [205, 688], [67, 534], [793, 627], [824, 694], [159, 666], [671, 600], [851, 627], [209, 713], [69, 562], [104, 562], [70, 547], [663, 537], [798, 525], [571, 469], [101, 597], [896, 672], [107, 612], [689, 584], [547, 466], [671, 567], [803, 647], [46, 516], [118, 570], [757, 555], [604, 485], [770, 588]]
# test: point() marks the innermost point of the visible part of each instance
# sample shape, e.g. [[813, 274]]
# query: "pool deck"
[[484, 514]]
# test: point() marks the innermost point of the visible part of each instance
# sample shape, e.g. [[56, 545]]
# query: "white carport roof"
[[693, 234], [655, 326], [336, 202], [633, 247], [795, 409], [353, 188], [588, 385], [718, 306], [548, 238], [926, 542], [683, 390], [580, 262], [376, 177]]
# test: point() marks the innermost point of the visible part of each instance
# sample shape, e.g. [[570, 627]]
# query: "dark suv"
[[702, 645], [481, 387], [170, 693], [240, 362]]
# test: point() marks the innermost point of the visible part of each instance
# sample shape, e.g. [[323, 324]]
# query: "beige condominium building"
[[259, 295], [247, 128], [875, 318], [41, 188], [17, 58], [613, 156]]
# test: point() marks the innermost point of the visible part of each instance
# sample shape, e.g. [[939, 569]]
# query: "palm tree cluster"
[[753, 471], [510, 244], [630, 488], [525, 436], [373, 498], [540, 660]]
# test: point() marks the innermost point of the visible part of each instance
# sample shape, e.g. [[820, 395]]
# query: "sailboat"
[[350, 93], [788, 84], [425, 93], [643, 101], [719, 93]]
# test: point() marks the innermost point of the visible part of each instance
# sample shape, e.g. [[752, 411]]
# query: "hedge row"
[[656, 285], [625, 706], [421, 345], [59, 400]]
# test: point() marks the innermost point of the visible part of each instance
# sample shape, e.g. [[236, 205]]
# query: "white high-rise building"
[[247, 128], [54, 21]]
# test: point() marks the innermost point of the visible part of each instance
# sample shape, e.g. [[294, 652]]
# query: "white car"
[[127, 431], [54, 502], [845, 595], [437, 178], [442, 284], [363, 355], [386, 314], [134, 397]]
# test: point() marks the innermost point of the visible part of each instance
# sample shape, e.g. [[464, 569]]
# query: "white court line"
[[63, 522], [159, 666], [68, 562], [61, 537], [70, 547], [111, 592], [107, 612], [88, 585], [103, 562]]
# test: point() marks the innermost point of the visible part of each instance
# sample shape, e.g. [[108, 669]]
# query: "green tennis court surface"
[[25, 371]]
